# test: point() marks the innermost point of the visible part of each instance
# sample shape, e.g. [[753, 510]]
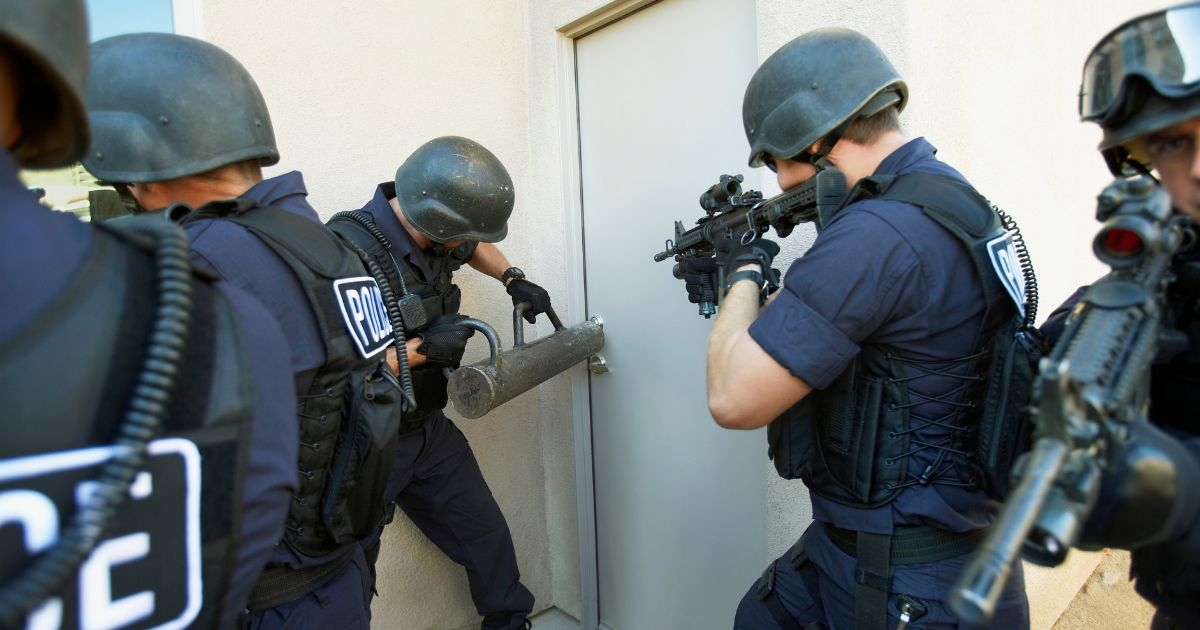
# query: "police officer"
[[1141, 86], [449, 202], [180, 121], [138, 487], [869, 357]]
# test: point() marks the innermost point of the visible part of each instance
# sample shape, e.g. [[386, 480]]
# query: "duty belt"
[[280, 585], [878, 553], [913, 544]]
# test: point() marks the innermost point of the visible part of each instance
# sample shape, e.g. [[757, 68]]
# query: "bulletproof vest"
[[349, 416], [69, 379], [438, 295], [850, 441], [1175, 381]]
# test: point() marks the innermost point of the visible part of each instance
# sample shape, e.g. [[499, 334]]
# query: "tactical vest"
[[69, 379], [850, 442], [1174, 383], [439, 296], [1167, 577], [349, 417]]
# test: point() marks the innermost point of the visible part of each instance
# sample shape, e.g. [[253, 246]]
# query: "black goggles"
[[1162, 48]]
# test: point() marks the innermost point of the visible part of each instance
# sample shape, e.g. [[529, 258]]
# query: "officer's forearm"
[[489, 260], [739, 309], [747, 388], [414, 358]]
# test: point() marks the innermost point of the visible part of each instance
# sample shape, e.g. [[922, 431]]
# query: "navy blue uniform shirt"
[[242, 259], [232, 252], [882, 273], [41, 251]]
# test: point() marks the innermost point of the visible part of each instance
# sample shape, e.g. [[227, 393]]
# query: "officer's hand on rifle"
[[735, 255], [1150, 496], [523, 290], [694, 271], [445, 340]]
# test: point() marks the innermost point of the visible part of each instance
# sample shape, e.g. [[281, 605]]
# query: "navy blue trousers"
[[829, 571], [437, 483]]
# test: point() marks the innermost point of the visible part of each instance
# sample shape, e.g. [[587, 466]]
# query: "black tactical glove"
[[444, 341], [523, 290], [1150, 496], [733, 254], [694, 272]]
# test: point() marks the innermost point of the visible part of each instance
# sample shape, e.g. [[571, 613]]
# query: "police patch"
[[1003, 255], [145, 571], [364, 314]]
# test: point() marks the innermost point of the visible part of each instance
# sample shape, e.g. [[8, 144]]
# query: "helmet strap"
[[885, 98], [820, 157]]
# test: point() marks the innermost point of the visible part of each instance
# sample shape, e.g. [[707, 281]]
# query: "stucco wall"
[[354, 87]]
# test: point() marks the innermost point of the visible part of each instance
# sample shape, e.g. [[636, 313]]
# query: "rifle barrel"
[[974, 596]]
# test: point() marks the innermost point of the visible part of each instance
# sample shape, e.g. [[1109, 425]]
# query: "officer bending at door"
[[870, 357], [449, 203], [180, 121], [1141, 85], [144, 470]]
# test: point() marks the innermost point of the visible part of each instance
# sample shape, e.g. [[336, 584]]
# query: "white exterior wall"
[[354, 87]]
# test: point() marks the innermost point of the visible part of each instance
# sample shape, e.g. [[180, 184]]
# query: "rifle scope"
[[1133, 221], [721, 192]]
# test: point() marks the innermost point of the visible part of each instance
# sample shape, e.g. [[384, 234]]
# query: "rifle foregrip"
[[708, 297], [974, 596]]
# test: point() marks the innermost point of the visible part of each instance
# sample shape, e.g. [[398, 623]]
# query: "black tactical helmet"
[[814, 87], [1142, 77], [49, 38], [452, 188], [166, 106]]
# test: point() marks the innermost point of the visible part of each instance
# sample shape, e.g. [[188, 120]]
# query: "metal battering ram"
[[479, 388]]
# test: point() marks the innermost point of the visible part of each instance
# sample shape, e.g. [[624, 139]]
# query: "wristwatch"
[[512, 273]]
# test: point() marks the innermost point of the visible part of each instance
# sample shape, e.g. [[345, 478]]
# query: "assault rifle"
[[1090, 387], [730, 211]]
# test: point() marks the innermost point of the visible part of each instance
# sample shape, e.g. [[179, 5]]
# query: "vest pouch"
[[354, 502], [848, 421], [1005, 430], [452, 299], [790, 441], [433, 307]]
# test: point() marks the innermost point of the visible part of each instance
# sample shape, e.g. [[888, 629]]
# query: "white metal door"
[[680, 503]]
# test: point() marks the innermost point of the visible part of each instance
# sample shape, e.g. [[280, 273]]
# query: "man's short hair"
[[249, 170], [868, 130]]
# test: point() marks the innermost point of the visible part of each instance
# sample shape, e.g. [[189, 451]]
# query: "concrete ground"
[[1107, 600]]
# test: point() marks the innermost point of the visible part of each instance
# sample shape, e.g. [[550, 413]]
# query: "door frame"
[[572, 200], [188, 17]]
